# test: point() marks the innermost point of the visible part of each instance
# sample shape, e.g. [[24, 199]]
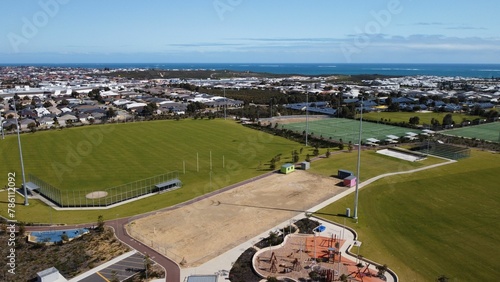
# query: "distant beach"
[[445, 70]]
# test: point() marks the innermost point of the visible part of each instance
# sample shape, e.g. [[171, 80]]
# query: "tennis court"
[[348, 129], [487, 131]]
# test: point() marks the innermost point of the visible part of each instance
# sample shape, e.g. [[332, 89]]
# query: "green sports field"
[[441, 221], [347, 129], [94, 158], [488, 131]]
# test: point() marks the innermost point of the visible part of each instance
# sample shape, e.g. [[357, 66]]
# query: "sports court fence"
[[443, 150], [113, 195]]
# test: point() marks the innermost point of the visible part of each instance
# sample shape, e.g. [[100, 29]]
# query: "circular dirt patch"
[[96, 195]]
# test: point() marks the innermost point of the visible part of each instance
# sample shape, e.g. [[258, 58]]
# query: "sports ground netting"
[[448, 151], [348, 129], [79, 198], [488, 132]]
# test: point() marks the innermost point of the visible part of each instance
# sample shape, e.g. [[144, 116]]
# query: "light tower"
[[25, 193], [307, 115], [355, 215]]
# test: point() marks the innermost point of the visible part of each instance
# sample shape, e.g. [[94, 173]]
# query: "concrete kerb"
[[102, 266]]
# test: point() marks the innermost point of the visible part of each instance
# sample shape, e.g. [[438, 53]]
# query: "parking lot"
[[120, 270]]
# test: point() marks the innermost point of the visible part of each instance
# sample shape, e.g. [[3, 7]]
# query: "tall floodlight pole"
[[355, 216], [307, 115], [3, 136], [21, 157], [225, 102]]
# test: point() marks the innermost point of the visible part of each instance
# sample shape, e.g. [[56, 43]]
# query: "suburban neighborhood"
[[64, 97]]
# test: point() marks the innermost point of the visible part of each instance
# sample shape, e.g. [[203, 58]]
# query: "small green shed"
[[287, 168]]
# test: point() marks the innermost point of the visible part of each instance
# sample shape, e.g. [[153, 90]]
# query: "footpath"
[[221, 265]]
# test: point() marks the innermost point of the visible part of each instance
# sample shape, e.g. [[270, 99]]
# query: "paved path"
[[172, 270]]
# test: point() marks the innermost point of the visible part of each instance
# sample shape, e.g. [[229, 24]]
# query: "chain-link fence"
[[109, 196]]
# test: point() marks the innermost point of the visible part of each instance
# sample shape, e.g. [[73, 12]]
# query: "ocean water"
[[447, 70]]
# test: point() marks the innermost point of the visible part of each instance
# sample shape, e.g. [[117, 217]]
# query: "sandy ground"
[[201, 231]]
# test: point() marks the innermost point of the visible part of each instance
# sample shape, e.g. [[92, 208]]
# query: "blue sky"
[[248, 31]]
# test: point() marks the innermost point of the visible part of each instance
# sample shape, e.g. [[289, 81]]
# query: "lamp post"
[[21, 157], [355, 215], [225, 102], [307, 115], [3, 136]]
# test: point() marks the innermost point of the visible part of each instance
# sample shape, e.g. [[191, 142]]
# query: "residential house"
[[67, 118], [42, 111], [46, 121], [27, 123]]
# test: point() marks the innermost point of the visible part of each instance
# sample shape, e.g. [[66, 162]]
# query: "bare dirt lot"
[[203, 230]]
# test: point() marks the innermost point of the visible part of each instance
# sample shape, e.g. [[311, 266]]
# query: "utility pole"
[[25, 193], [355, 216], [307, 115], [225, 102]]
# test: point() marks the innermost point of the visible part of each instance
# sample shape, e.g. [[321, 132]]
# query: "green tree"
[[349, 146], [414, 120], [327, 154], [32, 127], [149, 109], [110, 112], [273, 238], [316, 151], [381, 270], [100, 223], [272, 165], [308, 158], [448, 120], [272, 279]]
